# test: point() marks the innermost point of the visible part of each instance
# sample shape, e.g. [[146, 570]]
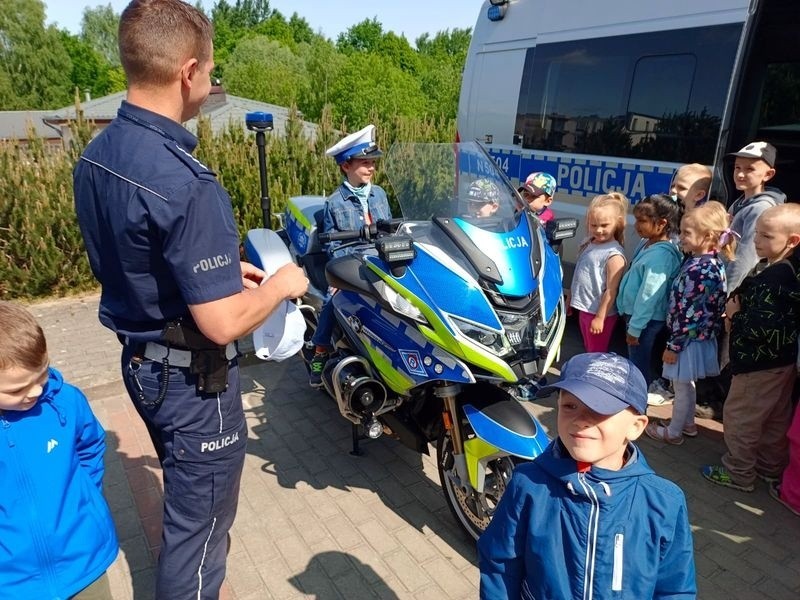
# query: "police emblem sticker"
[[413, 362], [302, 241]]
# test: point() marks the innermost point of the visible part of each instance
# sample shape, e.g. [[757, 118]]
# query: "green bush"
[[41, 250]]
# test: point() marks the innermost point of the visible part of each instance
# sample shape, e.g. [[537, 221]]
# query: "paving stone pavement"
[[315, 522]]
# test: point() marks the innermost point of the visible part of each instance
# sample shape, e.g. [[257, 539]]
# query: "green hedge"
[[41, 250]]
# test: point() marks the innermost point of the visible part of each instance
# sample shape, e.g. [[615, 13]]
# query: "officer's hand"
[[292, 280], [252, 276]]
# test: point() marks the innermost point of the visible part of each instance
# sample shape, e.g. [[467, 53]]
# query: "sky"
[[409, 17]]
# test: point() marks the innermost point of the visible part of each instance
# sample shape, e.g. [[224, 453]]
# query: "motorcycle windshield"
[[461, 187]]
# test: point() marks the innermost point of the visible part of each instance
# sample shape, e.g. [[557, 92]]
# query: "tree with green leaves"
[[90, 71], [301, 30], [442, 60], [263, 69], [451, 44], [322, 64], [99, 29], [34, 66], [362, 37], [369, 84]]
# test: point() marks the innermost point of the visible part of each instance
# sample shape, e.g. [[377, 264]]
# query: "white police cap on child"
[[360, 144]]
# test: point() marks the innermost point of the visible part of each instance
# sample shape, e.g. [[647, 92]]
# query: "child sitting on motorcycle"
[[483, 197], [355, 203]]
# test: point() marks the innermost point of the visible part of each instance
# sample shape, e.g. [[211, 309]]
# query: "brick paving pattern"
[[315, 522]]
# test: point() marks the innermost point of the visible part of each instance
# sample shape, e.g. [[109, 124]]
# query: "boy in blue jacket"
[[588, 518], [57, 534]]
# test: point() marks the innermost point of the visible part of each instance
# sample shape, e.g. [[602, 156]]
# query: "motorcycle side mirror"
[[396, 251], [560, 229]]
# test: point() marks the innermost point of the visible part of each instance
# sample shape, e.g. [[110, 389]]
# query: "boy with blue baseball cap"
[[589, 517]]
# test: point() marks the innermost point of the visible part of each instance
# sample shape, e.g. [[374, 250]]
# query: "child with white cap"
[[754, 166], [588, 518], [355, 203]]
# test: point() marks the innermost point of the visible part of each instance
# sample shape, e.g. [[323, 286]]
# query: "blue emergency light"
[[497, 10], [258, 121]]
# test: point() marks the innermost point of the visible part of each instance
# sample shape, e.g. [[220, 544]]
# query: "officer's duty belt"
[[178, 358]]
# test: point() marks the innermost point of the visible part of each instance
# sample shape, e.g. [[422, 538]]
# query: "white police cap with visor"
[[360, 144]]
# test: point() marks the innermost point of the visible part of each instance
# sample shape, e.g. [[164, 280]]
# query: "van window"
[[661, 86], [630, 96], [780, 108]]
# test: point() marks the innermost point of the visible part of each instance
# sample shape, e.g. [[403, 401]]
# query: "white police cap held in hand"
[[360, 144], [281, 334]]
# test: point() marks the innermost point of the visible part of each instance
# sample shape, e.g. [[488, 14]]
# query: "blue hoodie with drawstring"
[[593, 535], [56, 531]]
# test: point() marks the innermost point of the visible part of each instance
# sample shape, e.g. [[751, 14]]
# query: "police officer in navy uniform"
[[161, 239]]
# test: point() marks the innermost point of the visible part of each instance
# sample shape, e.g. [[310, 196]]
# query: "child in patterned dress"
[[695, 317]]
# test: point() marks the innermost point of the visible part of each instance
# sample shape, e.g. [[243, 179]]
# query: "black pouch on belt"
[[209, 361]]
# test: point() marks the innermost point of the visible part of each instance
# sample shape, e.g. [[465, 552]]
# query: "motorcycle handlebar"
[[366, 233], [339, 236]]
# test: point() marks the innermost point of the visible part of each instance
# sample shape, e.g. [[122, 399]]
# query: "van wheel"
[[472, 510]]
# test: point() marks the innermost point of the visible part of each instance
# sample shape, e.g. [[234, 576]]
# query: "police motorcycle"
[[446, 320]]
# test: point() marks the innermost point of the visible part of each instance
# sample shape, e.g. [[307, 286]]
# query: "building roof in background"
[[15, 124], [221, 107]]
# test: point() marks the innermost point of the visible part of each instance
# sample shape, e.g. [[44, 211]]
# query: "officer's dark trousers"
[[201, 443]]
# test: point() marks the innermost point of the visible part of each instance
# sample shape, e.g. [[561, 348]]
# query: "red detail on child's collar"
[[584, 467]]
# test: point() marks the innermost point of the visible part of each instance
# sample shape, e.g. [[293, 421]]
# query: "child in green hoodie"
[[643, 291]]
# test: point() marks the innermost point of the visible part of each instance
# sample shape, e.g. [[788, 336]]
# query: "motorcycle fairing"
[[302, 216], [551, 290], [439, 329], [507, 425], [266, 250], [449, 289], [510, 251], [477, 456], [386, 339]]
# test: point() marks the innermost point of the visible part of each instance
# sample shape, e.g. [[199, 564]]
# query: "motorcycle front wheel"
[[472, 510]]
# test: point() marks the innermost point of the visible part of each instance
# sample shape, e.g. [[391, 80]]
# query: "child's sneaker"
[[720, 476], [658, 394], [704, 411], [775, 492], [315, 368]]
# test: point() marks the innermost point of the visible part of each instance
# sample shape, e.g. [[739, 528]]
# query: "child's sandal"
[[660, 433]]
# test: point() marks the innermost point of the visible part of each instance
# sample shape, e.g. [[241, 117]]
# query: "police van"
[[615, 95]]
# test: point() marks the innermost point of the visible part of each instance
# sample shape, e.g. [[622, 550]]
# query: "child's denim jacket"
[[343, 213]]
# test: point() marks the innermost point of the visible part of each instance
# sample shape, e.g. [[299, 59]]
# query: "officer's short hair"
[[22, 343], [157, 36]]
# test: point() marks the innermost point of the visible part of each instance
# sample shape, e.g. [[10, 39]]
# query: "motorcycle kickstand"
[[356, 451]]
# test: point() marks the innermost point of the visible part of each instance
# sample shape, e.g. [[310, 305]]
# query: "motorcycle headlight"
[[492, 340], [399, 303]]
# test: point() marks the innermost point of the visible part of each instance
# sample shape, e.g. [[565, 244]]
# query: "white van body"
[[604, 96]]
